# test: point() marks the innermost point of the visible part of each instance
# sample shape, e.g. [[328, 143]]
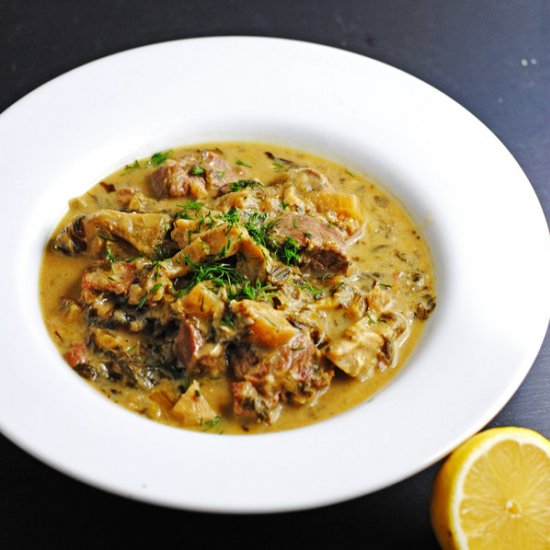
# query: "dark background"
[[490, 56]]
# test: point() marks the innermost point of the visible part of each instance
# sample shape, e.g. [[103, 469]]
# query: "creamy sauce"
[[391, 250]]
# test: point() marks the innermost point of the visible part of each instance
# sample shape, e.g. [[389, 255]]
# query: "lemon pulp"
[[493, 492]]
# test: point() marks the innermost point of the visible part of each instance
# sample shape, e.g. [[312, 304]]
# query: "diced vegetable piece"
[[343, 204], [76, 354], [192, 408]]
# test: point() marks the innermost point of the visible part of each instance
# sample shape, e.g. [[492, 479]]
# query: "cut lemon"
[[493, 492]]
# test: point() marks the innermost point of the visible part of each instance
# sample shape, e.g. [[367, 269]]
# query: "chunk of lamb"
[[323, 248], [197, 351], [113, 277], [267, 378], [304, 178], [88, 233], [197, 174]]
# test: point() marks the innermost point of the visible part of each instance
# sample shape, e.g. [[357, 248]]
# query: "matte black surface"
[[490, 56]]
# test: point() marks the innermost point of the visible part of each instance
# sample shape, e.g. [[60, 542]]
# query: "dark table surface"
[[492, 56]]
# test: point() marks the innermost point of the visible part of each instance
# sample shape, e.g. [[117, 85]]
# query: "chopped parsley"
[[241, 163]]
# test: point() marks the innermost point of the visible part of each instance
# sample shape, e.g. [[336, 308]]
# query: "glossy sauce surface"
[[390, 251]]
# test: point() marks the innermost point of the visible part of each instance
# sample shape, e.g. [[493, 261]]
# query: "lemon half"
[[493, 492]]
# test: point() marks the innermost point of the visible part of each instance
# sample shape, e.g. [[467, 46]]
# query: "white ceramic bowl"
[[480, 214]]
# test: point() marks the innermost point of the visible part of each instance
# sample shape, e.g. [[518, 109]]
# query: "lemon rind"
[[489, 439]]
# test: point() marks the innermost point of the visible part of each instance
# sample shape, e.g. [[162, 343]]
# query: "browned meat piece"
[[125, 195], [268, 378], [197, 174], [188, 343], [305, 179], [323, 248], [196, 351], [109, 277], [176, 179], [218, 171], [88, 233]]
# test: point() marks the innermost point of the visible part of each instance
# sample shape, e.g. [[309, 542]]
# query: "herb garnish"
[[109, 254], [288, 252], [241, 184], [260, 230], [241, 163], [158, 158], [220, 273], [152, 291], [132, 166], [196, 171], [314, 291], [257, 291], [231, 217], [211, 423], [191, 205]]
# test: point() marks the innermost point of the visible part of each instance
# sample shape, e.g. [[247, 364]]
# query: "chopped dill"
[[196, 171], [219, 273], [288, 252], [109, 255], [260, 229], [242, 184], [314, 291], [192, 205], [210, 423], [158, 158], [133, 166]]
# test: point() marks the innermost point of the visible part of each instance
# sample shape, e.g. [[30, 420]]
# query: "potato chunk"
[[192, 408]]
